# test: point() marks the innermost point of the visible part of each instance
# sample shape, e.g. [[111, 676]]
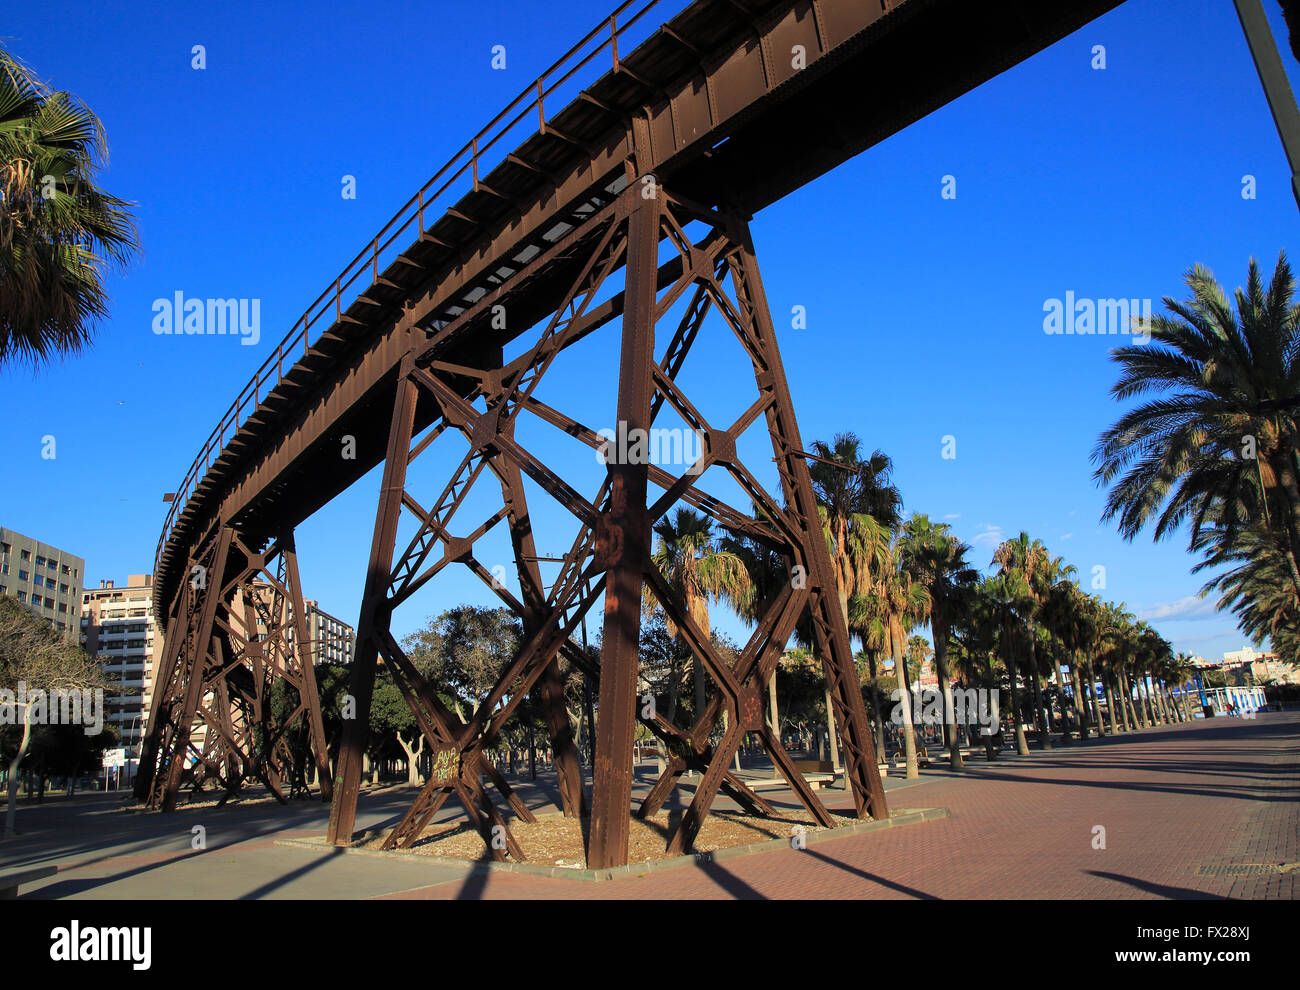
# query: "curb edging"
[[699, 860]]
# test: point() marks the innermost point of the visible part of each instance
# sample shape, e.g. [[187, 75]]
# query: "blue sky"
[[925, 314]]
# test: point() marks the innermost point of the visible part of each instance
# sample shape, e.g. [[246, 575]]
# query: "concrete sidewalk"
[[1210, 808]]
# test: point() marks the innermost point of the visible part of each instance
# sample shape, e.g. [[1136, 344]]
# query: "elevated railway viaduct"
[[641, 165]]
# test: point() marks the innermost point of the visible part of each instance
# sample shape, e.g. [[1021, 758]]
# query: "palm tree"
[[1153, 653], [58, 229], [937, 560], [1108, 654], [846, 484], [868, 624], [1123, 648], [1257, 589], [917, 651], [1005, 591], [698, 570], [1064, 621], [858, 508], [1055, 575], [1218, 442], [902, 603], [1028, 560], [1181, 670], [1083, 637], [975, 637]]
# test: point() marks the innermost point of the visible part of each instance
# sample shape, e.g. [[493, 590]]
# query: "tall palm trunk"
[[1157, 708], [1092, 700], [1080, 705], [1285, 473], [1022, 745], [1114, 702], [1166, 705], [698, 671], [939, 626], [905, 699], [990, 746], [875, 703], [1144, 700], [1042, 725], [1128, 699], [1144, 695]]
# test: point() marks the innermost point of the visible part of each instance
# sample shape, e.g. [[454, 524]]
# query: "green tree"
[[36, 656], [697, 569], [1033, 570], [59, 231], [1005, 592], [937, 560], [1216, 445], [901, 603]]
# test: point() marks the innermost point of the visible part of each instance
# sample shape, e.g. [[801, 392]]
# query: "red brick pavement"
[[1177, 804]]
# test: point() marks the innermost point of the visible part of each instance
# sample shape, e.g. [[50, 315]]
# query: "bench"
[[816, 781], [10, 882], [818, 774]]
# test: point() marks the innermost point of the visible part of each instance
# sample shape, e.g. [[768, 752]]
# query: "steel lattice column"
[[624, 542], [374, 619]]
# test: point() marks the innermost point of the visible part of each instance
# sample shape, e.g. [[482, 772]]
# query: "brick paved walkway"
[[1174, 802], [1208, 809]]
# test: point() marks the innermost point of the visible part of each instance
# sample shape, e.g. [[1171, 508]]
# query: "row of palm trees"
[[1027, 625], [1215, 448]]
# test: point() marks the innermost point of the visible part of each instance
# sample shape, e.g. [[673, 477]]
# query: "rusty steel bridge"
[[636, 170]]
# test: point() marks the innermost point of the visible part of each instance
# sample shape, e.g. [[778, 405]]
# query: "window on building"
[[25, 554], [4, 568], [52, 564], [22, 596], [40, 561], [65, 568], [23, 575], [63, 589]]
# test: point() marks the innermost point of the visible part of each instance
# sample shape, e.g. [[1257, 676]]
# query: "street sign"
[[114, 758]]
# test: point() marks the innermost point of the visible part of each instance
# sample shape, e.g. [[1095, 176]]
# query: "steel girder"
[[610, 554], [236, 627]]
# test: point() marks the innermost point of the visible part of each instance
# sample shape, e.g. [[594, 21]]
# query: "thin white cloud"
[[953, 515], [1066, 536], [988, 536], [1185, 609]]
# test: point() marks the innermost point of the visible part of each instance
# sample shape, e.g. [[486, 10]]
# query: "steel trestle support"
[[237, 626], [610, 557]]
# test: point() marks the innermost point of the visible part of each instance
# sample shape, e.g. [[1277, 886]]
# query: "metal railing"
[[465, 163]]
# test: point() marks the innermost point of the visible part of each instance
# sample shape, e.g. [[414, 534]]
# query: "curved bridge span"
[[728, 106]]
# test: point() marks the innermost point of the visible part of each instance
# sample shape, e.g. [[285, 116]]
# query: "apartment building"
[[119, 629], [44, 578], [330, 639], [333, 640]]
